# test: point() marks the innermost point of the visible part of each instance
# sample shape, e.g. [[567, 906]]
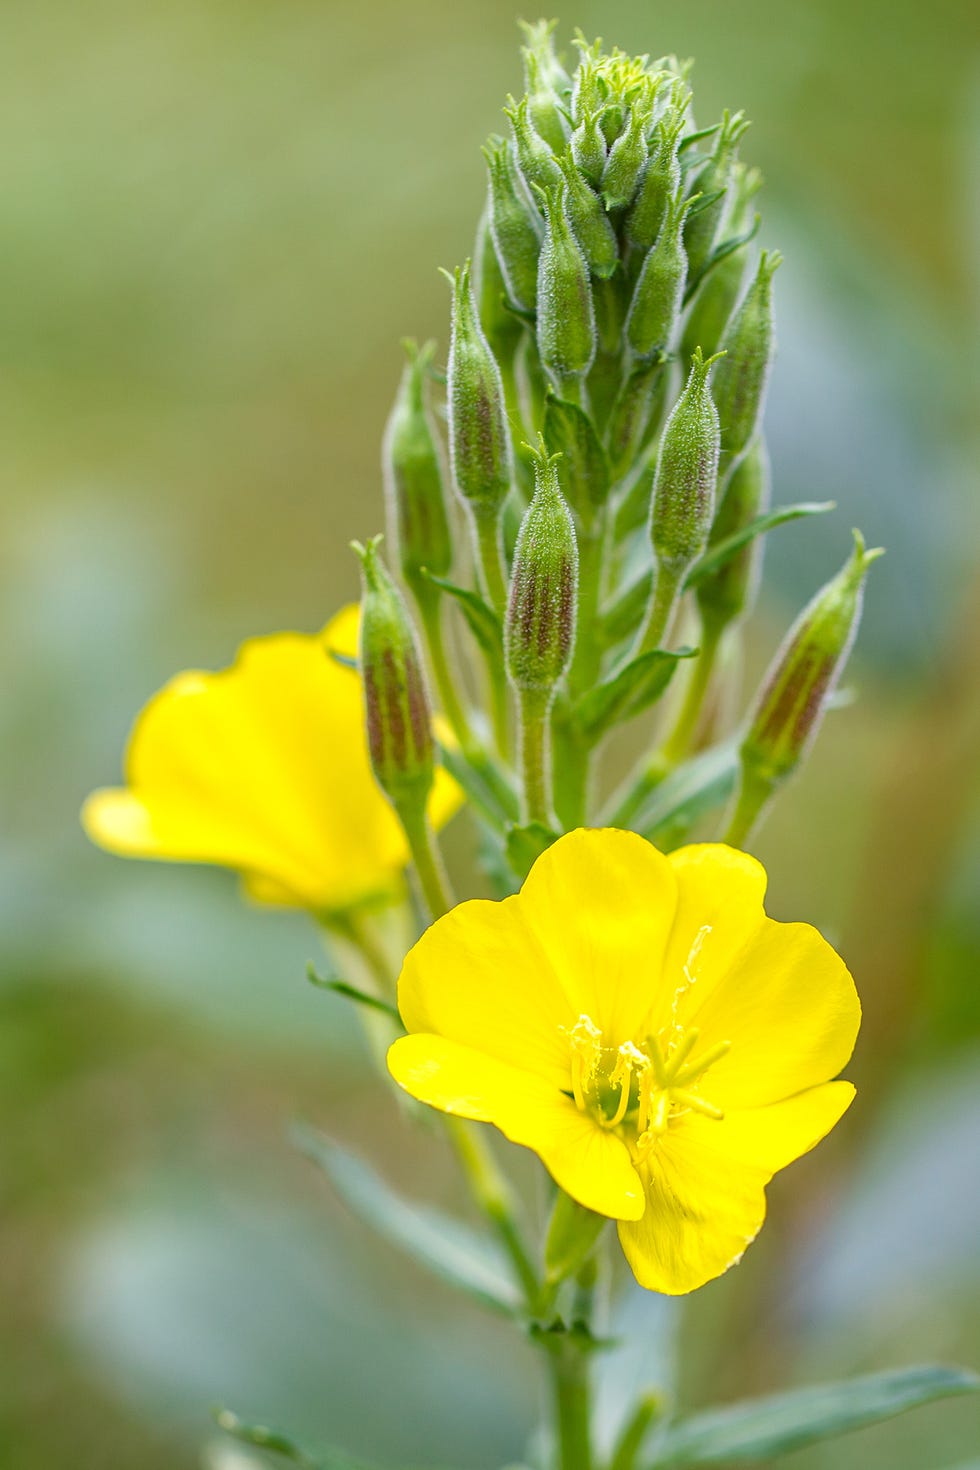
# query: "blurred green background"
[[216, 221]]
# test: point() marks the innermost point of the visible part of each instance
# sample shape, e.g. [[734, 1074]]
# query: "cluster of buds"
[[613, 317]]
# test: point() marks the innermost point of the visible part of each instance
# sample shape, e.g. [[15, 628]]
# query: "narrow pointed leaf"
[[713, 560], [696, 787], [445, 1246], [278, 1442], [719, 253], [583, 471], [496, 803], [483, 621], [763, 1429], [350, 992], [631, 690], [622, 617]]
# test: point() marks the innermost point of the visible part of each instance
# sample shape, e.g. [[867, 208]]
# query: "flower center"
[[642, 1089]]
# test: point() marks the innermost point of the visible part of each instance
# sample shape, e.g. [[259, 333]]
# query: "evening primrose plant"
[[577, 504]]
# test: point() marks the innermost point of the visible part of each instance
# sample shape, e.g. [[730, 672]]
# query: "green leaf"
[[629, 691], [719, 253], [497, 804], [526, 844], [716, 557], [696, 787], [277, 1442], [350, 992], [483, 621], [583, 472], [623, 616], [762, 1429], [445, 1246]]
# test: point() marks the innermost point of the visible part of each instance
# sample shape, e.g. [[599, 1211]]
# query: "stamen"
[[676, 1058], [698, 1105], [585, 1041], [704, 1061]]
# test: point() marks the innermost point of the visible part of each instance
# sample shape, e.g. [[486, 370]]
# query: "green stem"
[[570, 1385], [426, 858], [667, 583], [490, 1192], [535, 728], [678, 742], [754, 795], [447, 683], [490, 558]]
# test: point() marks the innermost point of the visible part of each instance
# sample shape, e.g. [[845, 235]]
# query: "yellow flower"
[[639, 1022], [263, 767]]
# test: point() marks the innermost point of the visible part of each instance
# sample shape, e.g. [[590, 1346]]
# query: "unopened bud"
[[535, 159], [740, 383], [714, 303], [540, 38], [479, 445], [539, 631], [565, 325], [729, 592], [585, 477], [659, 293], [413, 477], [788, 710], [627, 156], [544, 108], [589, 221], [686, 474], [714, 179], [515, 225], [660, 184], [589, 149], [396, 704]]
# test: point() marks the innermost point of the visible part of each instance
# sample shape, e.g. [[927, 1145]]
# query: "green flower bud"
[[715, 301], [659, 293], [515, 225], [479, 445], [535, 158], [396, 704], [539, 629], [660, 184], [540, 38], [589, 221], [628, 156], [631, 413], [740, 382], [686, 473], [544, 108], [714, 178], [589, 149], [413, 475], [566, 316], [730, 592], [787, 712]]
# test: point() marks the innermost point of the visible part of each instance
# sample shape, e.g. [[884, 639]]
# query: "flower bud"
[[740, 383], [396, 704], [539, 630], [589, 221], [544, 108], [715, 301], [660, 184], [413, 477], [627, 156], [566, 316], [479, 445], [535, 158], [686, 473], [515, 225], [659, 293], [730, 591], [713, 178], [589, 149], [540, 38], [585, 477], [789, 707]]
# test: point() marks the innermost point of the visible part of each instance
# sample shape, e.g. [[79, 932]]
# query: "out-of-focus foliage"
[[217, 221]]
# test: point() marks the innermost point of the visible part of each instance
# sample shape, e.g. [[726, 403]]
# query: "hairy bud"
[[535, 158], [713, 179], [539, 630], [589, 221], [660, 184], [413, 477], [659, 292], [589, 149], [627, 156], [515, 225], [740, 382], [566, 316], [396, 704], [479, 445], [686, 474]]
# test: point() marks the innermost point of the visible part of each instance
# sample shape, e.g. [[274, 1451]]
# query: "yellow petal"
[[263, 767], [601, 903], [720, 893], [586, 1161], [705, 1184], [480, 977], [790, 1010]]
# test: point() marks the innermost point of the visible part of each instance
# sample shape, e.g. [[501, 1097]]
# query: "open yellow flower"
[[639, 1022], [263, 767]]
